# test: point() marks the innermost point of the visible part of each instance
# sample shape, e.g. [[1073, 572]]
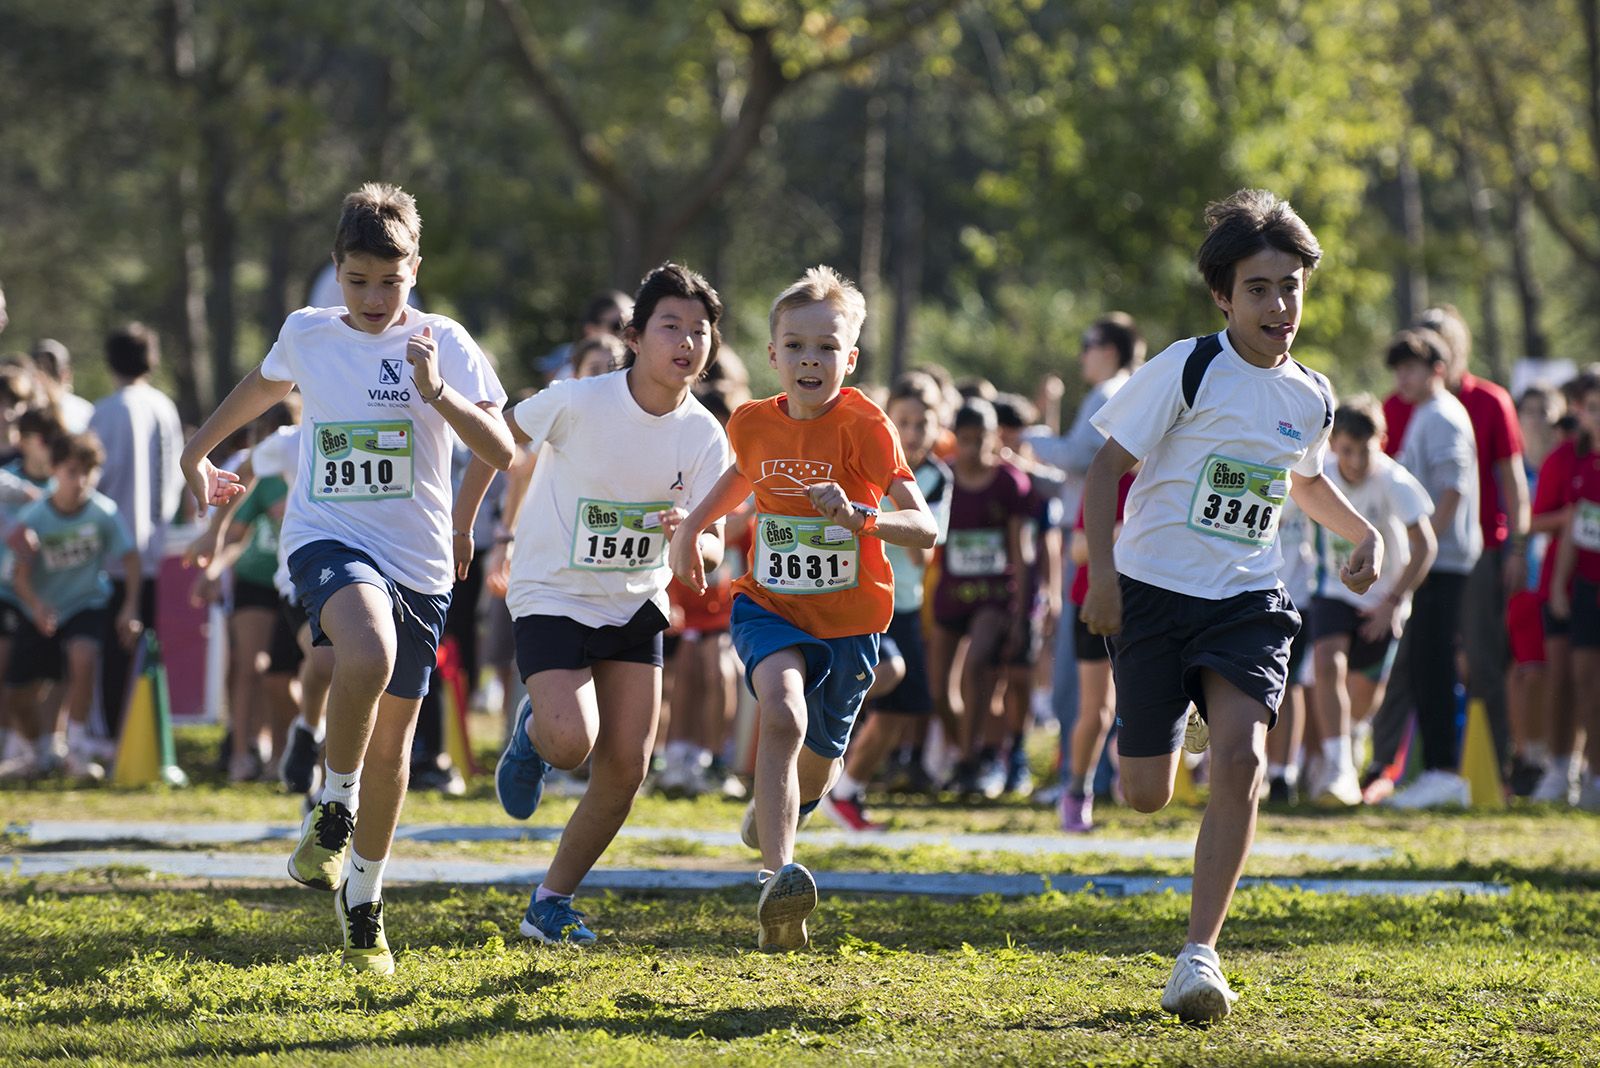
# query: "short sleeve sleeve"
[[885, 458], [543, 416], [1140, 413], [276, 455], [1310, 465], [1409, 500], [464, 365], [115, 532], [282, 363], [710, 464], [1555, 479]]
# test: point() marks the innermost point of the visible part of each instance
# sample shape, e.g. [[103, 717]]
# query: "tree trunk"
[[907, 241], [187, 299], [221, 251], [1413, 295], [1481, 199], [1535, 345], [873, 185]]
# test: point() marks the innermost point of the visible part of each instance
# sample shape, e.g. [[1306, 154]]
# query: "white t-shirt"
[[1391, 500], [588, 544], [374, 464], [279, 454], [1202, 516], [1298, 573]]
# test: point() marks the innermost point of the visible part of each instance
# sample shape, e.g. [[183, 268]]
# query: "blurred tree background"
[[996, 174]]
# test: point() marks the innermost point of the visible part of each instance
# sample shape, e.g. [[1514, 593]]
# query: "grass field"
[[119, 967]]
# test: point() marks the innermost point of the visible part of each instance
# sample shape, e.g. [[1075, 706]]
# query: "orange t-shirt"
[[824, 579]]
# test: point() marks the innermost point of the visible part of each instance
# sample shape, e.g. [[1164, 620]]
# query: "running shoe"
[[991, 778], [555, 922], [1077, 812], [519, 777], [1019, 777], [849, 813], [299, 763], [1342, 788], [787, 898], [750, 836], [318, 861], [365, 947], [1433, 789], [1279, 792], [1555, 785], [1197, 992], [1196, 733]]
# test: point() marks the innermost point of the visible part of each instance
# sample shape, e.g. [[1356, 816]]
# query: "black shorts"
[[36, 658], [552, 643], [1169, 639], [1553, 627], [914, 696], [1089, 648], [11, 618], [1331, 617], [1030, 643], [1583, 626], [284, 654], [254, 595]]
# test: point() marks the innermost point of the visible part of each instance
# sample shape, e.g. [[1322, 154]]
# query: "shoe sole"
[[786, 903], [1206, 1005]]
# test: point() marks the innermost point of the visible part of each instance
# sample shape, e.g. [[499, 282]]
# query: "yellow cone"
[[1184, 791], [455, 733], [139, 748], [1479, 764]]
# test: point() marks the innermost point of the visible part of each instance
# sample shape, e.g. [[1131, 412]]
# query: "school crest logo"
[[792, 478], [389, 373]]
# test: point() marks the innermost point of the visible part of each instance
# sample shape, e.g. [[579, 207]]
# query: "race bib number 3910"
[[617, 535], [1239, 500], [362, 461], [802, 554]]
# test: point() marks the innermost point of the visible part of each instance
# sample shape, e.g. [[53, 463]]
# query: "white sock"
[[316, 732], [363, 879], [1274, 771], [680, 754], [846, 786], [343, 787], [700, 757], [77, 737], [1339, 752], [1291, 773]]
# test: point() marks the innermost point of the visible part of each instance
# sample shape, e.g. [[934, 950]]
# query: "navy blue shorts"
[[914, 695], [38, 658], [839, 671], [1168, 639], [552, 643], [322, 568]]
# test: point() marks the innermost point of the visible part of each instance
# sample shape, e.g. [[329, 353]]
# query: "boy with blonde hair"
[[370, 533], [807, 616]]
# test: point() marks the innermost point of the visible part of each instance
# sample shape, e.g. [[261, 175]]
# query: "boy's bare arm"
[[128, 625], [464, 514], [246, 403], [911, 524], [205, 548], [1560, 578], [688, 557], [1323, 503], [1102, 605], [480, 426]]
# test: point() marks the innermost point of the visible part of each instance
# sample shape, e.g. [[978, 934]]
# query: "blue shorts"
[[839, 671], [322, 568]]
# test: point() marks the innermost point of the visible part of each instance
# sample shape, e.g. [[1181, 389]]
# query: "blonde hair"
[[821, 284], [380, 220]]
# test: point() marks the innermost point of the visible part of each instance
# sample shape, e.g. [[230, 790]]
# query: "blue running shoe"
[[555, 921], [519, 777]]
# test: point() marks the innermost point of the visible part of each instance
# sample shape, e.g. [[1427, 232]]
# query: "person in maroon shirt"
[[1502, 512]]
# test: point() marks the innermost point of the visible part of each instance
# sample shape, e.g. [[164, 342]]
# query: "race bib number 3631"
[[618, 536], [803, 554], [362, 461], [1239, 500]]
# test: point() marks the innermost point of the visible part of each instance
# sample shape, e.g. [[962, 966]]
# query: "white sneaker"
[[1434, 789], [1196, 991], [79, 767], [747, 826], [1343, 787], [1196, 733], [1555, 785]]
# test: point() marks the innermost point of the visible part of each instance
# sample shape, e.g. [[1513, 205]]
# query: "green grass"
[[119, 967]]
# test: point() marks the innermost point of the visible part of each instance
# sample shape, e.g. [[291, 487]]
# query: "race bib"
[[1238, 500], [1586, 526], [70, 548], [367, 461], [975, 553], [800, 554], [617, 536], [1340, 551]]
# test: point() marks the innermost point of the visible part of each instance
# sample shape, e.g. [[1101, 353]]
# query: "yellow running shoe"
[[365, 947], [318, 861]]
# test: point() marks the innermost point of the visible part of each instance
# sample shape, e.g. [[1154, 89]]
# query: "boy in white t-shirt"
[[623, 456], [1191, 597], [1354, 634], [368, 528]]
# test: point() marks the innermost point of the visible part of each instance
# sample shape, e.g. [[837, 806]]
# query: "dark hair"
[[676, 280], [45, 422], [133, 351], [51, 358], [1422, 345], [976, 412], [379, 220], [1014, 412], [1360, 417], [716, 402], [17, 384], [1118, 330], [1246, 223], [84, 449], [920, 387], [621, 355], [603, 304]]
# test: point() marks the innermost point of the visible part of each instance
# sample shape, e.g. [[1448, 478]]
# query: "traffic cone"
[[145, 751], [1479, 764], [457, 739], [1184, 790]]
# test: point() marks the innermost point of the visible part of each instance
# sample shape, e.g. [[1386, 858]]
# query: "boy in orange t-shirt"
[[819, 592]]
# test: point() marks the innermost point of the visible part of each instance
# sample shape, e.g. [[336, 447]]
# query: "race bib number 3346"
[[368, 461], [1239, 500]]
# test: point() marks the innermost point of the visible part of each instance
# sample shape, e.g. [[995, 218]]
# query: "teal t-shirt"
[[69, 571], [8, 518], [259, 560]]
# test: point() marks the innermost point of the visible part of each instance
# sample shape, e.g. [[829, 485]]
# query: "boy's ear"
[[772, 354], [850, 362], [1223, 301]]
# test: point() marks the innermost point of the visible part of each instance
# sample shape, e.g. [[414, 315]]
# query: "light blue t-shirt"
[[69, 571], [933, 479], [9, 510]]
